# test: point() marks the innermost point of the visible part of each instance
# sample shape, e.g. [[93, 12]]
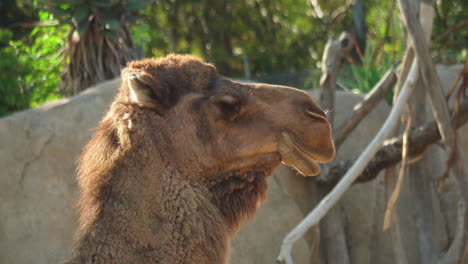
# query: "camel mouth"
[[293, 154]]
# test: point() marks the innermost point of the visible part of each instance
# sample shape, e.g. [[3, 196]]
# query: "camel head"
[[212, 125]]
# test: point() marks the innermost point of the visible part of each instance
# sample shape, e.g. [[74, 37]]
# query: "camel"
[[181, 159]]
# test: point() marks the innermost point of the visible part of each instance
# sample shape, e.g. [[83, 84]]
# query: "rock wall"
[[38, 191], [38, 149]]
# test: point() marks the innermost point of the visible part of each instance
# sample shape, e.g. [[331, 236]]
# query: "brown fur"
[[181, 159]]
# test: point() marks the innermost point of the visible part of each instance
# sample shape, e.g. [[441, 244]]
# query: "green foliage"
[[453, 47], [30, 67], [385, 46], [99, 43], [385, 34], [43, 58], [107, 13], [268, 36], [271, 36], [364, 77], [12, 95]]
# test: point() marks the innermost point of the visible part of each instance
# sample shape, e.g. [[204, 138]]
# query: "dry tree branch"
[[451, 29], [401, 175], [428, 73], [327, 203], [455, 250], [453, 153], [395, 232], [390, 153], [330, 18], [454, 85], [420, 186], [334, 55], [456, 110], [362, 109], [337, 13], [317, 10], [408, 58], [34, 24]]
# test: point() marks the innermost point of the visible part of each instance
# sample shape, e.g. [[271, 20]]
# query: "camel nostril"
[[316, 116], [313, 110], [320, 115]]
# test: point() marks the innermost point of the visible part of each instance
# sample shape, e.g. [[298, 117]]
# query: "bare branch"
[[332, 198], [453, 151], [34, 24], [455, 251], [395, 232], [451, 29], [317, 10], [390, 153], [401, 176], [333, 56], [428, 72], [340, 11], [361, 110]]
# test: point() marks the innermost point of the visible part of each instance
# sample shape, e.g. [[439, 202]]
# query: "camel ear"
[[147, 91]]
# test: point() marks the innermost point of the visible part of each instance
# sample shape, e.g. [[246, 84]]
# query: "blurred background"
[[50, 49]]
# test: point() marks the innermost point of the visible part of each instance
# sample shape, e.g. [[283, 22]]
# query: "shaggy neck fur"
[[135, 207], [237, 194]]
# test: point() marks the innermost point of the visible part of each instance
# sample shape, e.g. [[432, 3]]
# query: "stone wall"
[[38, 191], [37, 178]]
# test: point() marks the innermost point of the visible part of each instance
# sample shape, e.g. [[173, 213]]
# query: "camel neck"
[[151, 209]]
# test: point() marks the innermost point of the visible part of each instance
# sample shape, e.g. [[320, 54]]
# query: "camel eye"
[[229, 106]]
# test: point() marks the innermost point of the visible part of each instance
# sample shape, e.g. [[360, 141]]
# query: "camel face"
[[213, 125]]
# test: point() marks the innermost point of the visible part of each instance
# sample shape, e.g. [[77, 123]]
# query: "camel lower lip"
[[294, 155], [304, 151], [314, 162]]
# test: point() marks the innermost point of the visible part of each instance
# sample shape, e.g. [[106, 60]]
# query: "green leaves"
[[111, 34], [111, 23], [30, 68], [103, 15], [80, 14], [11, 96], [100, 15], [103, 3], [135, 5], [80, 19], [81, 28]]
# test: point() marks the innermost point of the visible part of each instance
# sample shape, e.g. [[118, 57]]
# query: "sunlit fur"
[[180, 160]]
